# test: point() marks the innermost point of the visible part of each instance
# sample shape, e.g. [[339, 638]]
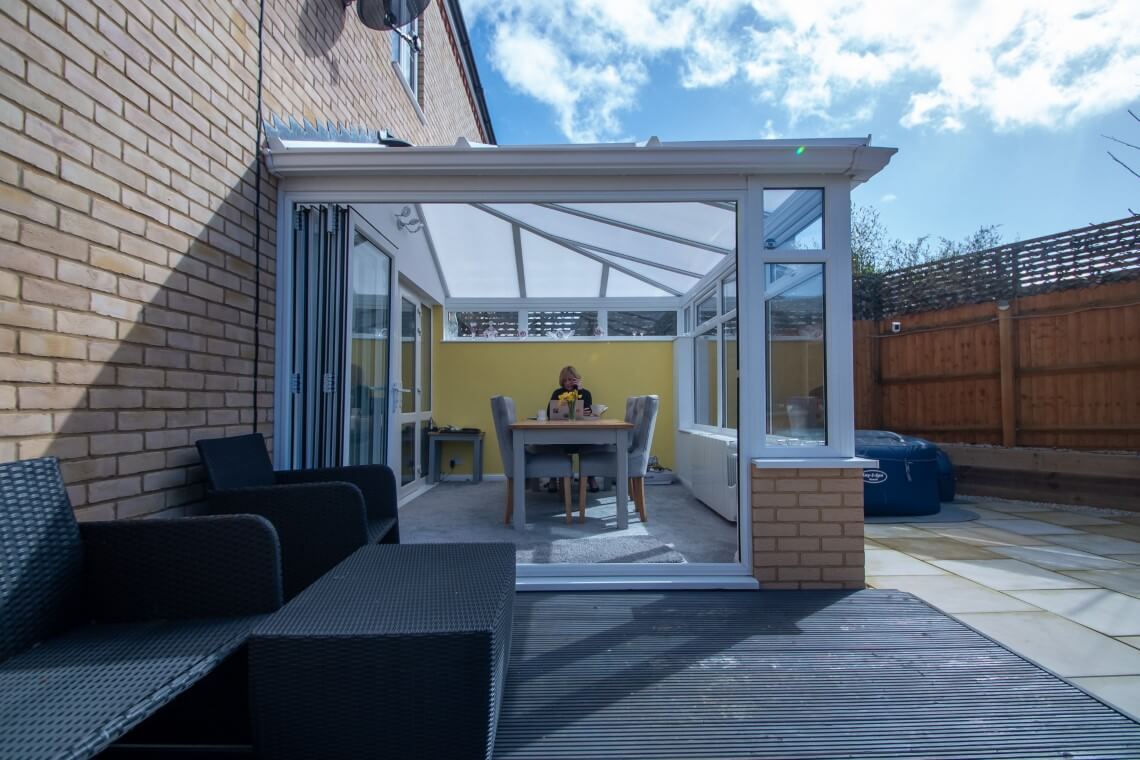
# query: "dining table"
[[583, 431]]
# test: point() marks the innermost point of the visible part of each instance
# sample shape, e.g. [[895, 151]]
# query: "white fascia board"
[[854, 159]]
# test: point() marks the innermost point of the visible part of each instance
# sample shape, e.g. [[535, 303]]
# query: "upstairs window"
[[406, 56]]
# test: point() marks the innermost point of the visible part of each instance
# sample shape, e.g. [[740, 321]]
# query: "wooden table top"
[[596, 422]]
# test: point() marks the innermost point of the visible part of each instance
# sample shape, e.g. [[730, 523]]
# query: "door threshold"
[[614, 583]]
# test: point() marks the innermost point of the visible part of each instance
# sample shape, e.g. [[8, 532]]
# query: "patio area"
[[1057, 584]]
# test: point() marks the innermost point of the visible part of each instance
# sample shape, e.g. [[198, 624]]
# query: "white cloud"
[[1012, 64], [889, 198]]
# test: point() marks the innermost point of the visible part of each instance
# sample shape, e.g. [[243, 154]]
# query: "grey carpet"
[[679, 529], [947, 514]]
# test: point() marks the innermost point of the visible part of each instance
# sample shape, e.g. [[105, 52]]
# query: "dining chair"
[[539, 464], [641, 411]]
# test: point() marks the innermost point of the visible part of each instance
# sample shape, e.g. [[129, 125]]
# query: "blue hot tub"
[[906, 482]]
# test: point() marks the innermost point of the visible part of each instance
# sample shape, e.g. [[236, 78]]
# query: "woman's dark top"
[[587, 399]]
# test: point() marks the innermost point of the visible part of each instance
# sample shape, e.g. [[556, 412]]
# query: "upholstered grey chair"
[[642, 412], [539, 464]]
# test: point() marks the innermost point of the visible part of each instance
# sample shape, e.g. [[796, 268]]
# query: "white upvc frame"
[[735, 172], [523, 307], [839, 405], [610, 575]]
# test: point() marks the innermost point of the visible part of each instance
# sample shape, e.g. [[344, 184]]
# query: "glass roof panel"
[[607, 236], [621, 285], [554, 271], [679, 282], [476, 251], [702, 222]]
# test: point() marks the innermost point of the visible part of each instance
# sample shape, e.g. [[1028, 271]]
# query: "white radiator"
[[707, 465]]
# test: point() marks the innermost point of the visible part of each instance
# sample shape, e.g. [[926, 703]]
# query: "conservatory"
[[429, 299]]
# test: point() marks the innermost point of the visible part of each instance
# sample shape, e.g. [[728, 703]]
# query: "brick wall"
[[127, 202], [807, 528]]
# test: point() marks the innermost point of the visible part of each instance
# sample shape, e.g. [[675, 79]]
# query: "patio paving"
[[1057, 584]]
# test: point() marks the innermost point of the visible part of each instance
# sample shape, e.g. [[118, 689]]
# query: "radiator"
[[707, 465]]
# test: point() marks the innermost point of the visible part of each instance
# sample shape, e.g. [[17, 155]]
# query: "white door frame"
[[421, 413]]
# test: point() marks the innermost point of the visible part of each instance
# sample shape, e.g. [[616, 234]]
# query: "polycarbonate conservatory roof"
[[492, 250], [577, 250]]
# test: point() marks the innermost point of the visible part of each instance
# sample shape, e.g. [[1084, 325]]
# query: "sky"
[[999, 108]]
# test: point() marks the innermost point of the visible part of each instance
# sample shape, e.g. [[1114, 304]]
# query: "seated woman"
[[570, 380]]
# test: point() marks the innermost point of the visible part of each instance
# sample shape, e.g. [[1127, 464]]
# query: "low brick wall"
[[807, 528]]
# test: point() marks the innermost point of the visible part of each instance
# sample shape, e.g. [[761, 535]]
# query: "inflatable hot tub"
[[907, 480]]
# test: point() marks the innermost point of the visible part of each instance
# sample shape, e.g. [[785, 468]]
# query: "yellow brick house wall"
[[807, 528], [127, 175]]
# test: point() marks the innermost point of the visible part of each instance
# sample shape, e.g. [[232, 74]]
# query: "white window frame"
[[406, 63], [839, 400]]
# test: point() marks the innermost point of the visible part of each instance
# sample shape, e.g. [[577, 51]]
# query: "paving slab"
[[1096, 544], [940, 547], [1001, 505], [1054, 557], [951, 594], [980, 535], [1119, 530], [1122, 692], [1024, 527], [1007, 574], [895, 531], [1124, 581], [1072, 518], [890, 562], [1068, 649], [1109, 612]]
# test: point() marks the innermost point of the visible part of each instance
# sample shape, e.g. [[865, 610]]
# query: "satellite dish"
[[390, 14]]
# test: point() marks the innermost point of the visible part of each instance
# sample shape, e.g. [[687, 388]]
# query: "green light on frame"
[[800, 151]]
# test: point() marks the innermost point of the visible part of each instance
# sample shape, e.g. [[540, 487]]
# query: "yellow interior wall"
[[467, 375], [796, 367]]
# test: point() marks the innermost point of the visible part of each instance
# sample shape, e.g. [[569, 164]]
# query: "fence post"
[[1007, 350]]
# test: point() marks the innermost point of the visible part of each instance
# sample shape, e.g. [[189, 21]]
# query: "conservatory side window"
[[705, 383], [795, 341]]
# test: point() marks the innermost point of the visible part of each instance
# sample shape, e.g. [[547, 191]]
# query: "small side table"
[[438, 437]]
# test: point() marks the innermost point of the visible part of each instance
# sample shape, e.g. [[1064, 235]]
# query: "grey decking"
[[701, 674]]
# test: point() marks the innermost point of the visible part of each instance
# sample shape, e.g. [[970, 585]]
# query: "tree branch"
[[1126, 166], [1117, 140]]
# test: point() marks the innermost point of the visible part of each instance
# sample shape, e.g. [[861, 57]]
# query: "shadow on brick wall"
[[322, 22], [164, 356]]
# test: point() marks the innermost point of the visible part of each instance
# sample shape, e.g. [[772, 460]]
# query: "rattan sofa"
[[321, 515], [102, 624]]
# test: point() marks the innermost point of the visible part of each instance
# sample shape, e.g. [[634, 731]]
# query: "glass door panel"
[[414, 402], [370, 315]]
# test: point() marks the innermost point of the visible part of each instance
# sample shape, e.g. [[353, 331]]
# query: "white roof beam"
[[637, 228], [516, 233], [575, 248], [431, 249]]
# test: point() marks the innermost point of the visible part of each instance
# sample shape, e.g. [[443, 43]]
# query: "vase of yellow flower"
[[570, 398]]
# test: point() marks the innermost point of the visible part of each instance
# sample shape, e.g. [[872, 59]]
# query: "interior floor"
[[679, 528]]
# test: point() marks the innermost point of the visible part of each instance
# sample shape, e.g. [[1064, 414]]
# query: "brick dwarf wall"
[[807, 528], [127, 201]]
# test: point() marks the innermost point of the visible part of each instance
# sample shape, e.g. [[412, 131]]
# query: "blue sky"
[[997, 108]]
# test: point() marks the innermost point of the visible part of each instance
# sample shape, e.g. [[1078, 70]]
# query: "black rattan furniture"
[[321, 515], [399, 651], [102, 624]]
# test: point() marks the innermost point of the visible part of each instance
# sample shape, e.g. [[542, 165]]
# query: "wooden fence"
[[1055, 369]]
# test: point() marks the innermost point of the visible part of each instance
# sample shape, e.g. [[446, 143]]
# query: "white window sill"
[[412, 98], [819, 463]]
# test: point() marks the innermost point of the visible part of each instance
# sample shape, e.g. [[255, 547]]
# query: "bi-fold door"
[[339, 348]]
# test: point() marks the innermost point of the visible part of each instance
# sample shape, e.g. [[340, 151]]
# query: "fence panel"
[[1072, 371]]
